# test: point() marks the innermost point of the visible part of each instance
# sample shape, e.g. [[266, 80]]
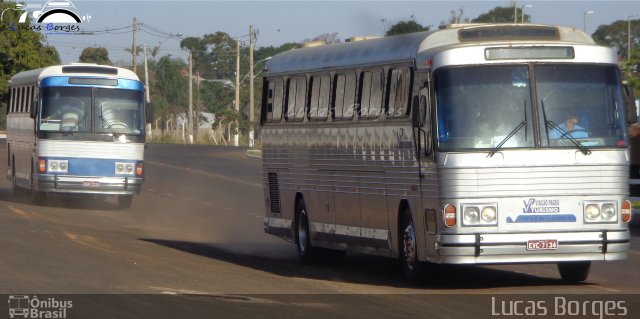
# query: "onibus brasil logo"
[[54, 15], [23, 306]]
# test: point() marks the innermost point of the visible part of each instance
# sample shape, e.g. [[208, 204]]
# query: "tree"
[[214, 55], [616, 34], [95, 55], [328, 38], [403, 27], [502, 15]]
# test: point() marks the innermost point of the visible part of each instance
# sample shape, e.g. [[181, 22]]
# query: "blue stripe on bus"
[[64, 81], [561, 218], [91, 166]]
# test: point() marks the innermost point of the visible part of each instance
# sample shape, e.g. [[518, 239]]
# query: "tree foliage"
[[403, 27], [95, 55], [21, 49], [328, 38], [502, 15], [214, 55], [616, 35]]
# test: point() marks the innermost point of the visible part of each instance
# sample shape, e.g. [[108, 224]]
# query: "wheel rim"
[[303, 232], [409, 246]]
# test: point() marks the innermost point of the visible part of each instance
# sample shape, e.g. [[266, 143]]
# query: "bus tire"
[[574, 271], [307, 253], [125, 201], [414, 270]]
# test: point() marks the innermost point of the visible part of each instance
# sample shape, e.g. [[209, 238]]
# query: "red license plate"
[[90, 184], [545, 244]]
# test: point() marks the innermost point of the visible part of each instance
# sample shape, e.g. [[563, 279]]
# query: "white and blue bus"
[[76, 128], [476, 144]]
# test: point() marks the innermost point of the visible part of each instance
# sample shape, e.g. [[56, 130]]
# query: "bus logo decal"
[[541, 206]]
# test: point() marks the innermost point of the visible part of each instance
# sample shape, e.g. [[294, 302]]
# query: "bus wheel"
[[413, 269], [125, 201], [574, 271], [307, 253]]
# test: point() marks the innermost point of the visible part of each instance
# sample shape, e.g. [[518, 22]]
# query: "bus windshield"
[[484, 107], [489, 107], [583, 102], [74, 109]]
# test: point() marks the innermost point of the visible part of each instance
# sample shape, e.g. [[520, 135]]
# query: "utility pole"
[[146, 75], [236, 136], [133, 45], [629, 36], [190, 119], [251, 115]]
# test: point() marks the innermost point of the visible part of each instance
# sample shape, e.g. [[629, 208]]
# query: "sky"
[[278, 22]]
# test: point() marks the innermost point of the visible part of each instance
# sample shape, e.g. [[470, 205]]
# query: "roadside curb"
[[254, 153]]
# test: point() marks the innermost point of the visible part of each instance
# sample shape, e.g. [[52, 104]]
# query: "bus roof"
[[403, 48], [74, 69]]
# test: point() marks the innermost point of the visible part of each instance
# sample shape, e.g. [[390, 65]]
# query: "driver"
[[569, 127]]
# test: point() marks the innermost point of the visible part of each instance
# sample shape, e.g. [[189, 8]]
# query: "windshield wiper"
[[550, 124], [512, 133]]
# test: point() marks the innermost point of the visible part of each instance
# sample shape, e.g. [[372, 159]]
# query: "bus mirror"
[[34, 109], [419, 110], [630, 105]]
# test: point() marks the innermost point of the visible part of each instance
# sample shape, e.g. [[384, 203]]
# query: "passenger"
[[570, 128]]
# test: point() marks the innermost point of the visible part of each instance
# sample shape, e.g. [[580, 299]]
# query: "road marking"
[[607, 289], [205, 173], [20, 212], [91, 242]]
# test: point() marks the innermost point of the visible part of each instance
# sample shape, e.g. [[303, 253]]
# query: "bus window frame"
[[346, 74]]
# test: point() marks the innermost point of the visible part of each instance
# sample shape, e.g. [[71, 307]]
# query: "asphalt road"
[[196, 234]]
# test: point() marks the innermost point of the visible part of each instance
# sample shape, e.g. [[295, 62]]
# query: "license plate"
[[545, 244], [90, 184]]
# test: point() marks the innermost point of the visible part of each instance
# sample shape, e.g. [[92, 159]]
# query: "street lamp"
[[585, 19], [254, 65], [522, 10], [629, 35]]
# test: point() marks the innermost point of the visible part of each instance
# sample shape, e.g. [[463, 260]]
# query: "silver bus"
[[76, 128], [475, 144]]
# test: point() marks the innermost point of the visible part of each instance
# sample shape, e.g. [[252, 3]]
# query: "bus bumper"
[[513, 247], [89, 185]]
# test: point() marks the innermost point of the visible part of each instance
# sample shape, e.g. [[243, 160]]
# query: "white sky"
[[279, 22]]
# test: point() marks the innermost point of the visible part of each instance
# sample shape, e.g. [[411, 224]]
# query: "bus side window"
[[10, 104], [398, 93], [297, 88], [338, 103], [371, 93], [349, 105], [277, 100], [274, 100], [319, 104]]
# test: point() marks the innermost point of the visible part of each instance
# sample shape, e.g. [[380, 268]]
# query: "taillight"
[[42, 165], [449, 215], [625, 212], [139, 169]]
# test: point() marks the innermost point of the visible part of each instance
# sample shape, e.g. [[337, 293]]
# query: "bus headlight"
[[471, 216], [606, 212], [124, 168], [489, 215], [592, 212], [479, 215], [57, 166]]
